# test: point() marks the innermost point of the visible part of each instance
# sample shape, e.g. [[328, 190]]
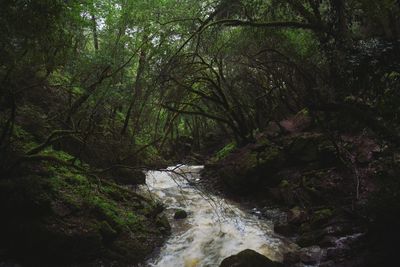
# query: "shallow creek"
[[214, 228]]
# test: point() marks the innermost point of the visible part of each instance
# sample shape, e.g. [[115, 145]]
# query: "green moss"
[[321, 216], [284, 184], [252, 167], [116, 216], [77, 190], [58, 154], [250, 161], [23, 140], [304, 112], [19, 132], [272, 156], [309, 184], [225, 151]]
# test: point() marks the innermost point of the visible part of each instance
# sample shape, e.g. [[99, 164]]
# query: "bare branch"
[[54, 136]]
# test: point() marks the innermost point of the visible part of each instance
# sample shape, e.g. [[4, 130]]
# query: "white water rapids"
[[214, 228]]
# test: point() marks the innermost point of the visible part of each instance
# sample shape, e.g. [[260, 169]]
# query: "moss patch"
[[321, 216], [251, 167], [223, 152]]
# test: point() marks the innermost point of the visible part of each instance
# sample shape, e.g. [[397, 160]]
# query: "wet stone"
[[249, 258], [311, 255], [180, 214]]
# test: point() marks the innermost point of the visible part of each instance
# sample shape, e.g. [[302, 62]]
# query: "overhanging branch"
[[275, 24]]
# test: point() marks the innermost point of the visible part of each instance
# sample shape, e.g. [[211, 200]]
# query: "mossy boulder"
[[296, 216], [251, 167], [309, 147], [249, 258]]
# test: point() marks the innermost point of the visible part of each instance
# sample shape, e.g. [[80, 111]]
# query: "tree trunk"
[[94, 30], [137, 92]]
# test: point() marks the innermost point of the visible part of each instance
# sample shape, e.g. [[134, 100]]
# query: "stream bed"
[[214, 229]]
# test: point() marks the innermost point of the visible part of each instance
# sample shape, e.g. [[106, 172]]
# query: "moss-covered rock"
[[258, 166], [249, 258], [251, 167], [296, 215], [309, 147]]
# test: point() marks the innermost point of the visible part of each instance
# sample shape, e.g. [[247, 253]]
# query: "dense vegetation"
[[94, 92]]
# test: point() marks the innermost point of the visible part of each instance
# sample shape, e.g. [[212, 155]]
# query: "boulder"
[[310, 147], [249, 258], [311, 255], [180, 214], [250, 168]]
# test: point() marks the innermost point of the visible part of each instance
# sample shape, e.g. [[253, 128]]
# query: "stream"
[[214, 229]]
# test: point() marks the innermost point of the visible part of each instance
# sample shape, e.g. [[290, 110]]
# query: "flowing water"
[[214, 228]]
